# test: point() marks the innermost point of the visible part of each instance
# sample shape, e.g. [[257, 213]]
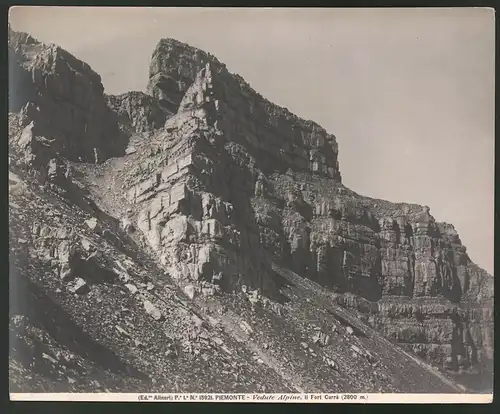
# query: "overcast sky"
[[409, 93]]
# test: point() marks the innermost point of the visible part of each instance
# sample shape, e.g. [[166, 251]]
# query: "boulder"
[[79, 286], [93, 224], [152, 310], [246, 327], [190, 291], [131, 288]]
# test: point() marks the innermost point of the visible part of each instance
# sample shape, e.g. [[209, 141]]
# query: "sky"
[[409, 93]]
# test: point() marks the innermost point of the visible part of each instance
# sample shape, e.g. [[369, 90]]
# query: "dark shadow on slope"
[[27, 350], [92, 272], [52, 318], [280, 283], [481, 382], [21, 88], [366, 287], [345, 323], [320, 301]]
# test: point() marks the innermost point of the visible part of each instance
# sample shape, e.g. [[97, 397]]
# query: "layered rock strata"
[[225, 185], [193, 198], [396, 256]]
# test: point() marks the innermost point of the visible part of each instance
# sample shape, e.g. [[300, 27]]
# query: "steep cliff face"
[[191, 198], [61, 102], [223, 139], [423, 290], [277, 138], [241, 204], [137, 112]]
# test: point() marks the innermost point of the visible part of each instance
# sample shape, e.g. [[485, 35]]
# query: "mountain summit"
[[198, 238]]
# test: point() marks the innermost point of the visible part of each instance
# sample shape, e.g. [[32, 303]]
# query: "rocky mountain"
[[137, 112], [199, 238]]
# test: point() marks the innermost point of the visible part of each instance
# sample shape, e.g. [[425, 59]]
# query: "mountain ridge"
[[230, 188]]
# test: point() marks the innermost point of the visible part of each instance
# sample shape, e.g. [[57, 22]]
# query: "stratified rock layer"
[[394, 255], [194, 197], [274, 137]]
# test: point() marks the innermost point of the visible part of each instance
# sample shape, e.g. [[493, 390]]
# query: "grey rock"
[[122, 331], [190, 291], [137, 112], [79, 286], [246, 327], [93, 224], [132, 288], [330, 362], [321, 339], [152, 310], [65, 271]]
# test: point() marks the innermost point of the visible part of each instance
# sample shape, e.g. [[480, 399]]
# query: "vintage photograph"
[[251, 200]]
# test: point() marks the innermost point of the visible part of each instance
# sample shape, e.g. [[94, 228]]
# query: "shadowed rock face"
[[224, 188], [137, 112], [61, 101]]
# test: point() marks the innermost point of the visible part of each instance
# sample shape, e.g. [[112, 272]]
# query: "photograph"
[[251, 204]]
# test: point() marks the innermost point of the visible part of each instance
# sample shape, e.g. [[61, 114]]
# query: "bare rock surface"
[[199, 238], [61, 103], [138, 112]]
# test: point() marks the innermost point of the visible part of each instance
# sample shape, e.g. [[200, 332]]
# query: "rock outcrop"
[[61, 104], [137, 112], [383, 252], [241, 205], [188, 189], [276, 138]]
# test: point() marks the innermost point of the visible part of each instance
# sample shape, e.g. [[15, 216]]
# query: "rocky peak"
[[231, 196], [168, 81], [63, 98], [18, 40], [271, 134]]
